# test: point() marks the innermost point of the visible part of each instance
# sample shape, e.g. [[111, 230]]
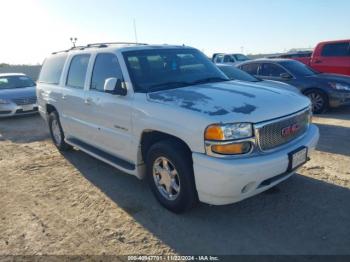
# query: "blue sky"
[[255, 26]]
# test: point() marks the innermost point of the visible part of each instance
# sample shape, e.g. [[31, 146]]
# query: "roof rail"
[[113, 43], [100, 45]]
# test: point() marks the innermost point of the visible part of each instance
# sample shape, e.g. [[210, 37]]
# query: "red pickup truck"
[[332, 57], [327, 57]]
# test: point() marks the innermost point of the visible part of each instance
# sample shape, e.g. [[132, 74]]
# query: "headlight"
[[4, 101], [228, 131], [339, 86]]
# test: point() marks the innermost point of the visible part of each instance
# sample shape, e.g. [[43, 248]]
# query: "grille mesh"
[[270, 135], [24, 101]]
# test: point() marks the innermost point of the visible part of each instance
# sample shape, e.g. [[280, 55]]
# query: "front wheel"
[[319, 101], [56, 132], [170, 176]]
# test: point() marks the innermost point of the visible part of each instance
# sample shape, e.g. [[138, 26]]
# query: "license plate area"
[[27, 107], [297, 158]]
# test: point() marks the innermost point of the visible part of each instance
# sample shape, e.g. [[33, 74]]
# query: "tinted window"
[[52, 69], [160, 69], [9, 82], [272, 70], [237, 74], [338, 49], [297, 68], [229, 59], [240, 57], [106, 66], [219, 58], [77, 71], [251, 68]]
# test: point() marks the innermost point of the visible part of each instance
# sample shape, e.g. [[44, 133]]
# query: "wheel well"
[[50, 109], [149, 138]]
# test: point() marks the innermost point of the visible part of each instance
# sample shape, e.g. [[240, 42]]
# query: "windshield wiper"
[[209, 80]]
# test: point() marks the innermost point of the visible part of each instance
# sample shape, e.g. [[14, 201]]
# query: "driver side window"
[[106, 66], [272, 70]]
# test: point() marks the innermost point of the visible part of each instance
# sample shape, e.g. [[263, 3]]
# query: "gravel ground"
[[74, 204]]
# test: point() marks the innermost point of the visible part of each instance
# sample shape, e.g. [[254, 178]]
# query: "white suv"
[[169, 114]]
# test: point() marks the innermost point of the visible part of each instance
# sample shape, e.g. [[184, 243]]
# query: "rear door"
[[111, 114], [74, 119], [333, 58]]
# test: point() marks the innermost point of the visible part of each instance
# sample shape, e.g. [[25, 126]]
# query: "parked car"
[[324, 90], [301, 56], [328, 57], [233, 73], [17, 95], [332, 57], [169, 114], [229, 58]]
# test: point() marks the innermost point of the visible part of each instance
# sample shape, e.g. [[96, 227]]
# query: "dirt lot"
[[73, 204]]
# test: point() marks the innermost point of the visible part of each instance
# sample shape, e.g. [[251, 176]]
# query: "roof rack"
[[99, 45]]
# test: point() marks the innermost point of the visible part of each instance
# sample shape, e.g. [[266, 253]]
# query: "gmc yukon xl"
[[168, 114]]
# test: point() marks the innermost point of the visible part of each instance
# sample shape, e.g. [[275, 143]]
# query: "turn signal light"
[[232, 149], [214, 132]]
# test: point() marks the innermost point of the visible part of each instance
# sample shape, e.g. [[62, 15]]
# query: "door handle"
[[63, 96], [318, 62], [88, 101]]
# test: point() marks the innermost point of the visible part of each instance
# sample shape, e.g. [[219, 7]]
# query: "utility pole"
[[135, 31], [73, 40]]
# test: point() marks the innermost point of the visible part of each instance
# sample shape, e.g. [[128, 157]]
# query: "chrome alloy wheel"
[[56, 131], [166, 178], [317, 101]]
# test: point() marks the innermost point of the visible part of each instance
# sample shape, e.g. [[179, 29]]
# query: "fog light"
[[232, 149]]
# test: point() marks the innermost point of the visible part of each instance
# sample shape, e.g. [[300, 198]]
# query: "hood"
[[233, 101], [17, 92], [333, 78]]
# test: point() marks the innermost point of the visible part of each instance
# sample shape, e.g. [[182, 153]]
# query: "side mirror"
[[285, 76], [114, 86]]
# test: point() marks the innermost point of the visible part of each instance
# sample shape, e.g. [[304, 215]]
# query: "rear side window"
[[272, 70], [77, 71], [52, 69], [106, 66], [336, 49], [250, 68]]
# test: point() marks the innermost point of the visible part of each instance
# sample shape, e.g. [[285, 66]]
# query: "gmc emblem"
[[290, 130]]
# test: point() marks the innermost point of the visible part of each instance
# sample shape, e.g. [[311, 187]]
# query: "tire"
[[319, 101], [56, 132], [183, 194]]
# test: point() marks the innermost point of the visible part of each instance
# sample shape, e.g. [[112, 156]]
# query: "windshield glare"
[[160, 69], [299, 69], [9, 82], [237, 74]]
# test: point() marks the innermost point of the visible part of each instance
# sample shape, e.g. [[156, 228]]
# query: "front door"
[[111, 114]]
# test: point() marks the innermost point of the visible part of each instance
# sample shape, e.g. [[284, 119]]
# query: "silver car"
[[17, 95]]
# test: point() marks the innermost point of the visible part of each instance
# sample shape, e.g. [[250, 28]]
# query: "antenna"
[[73, 40], [135, 31]]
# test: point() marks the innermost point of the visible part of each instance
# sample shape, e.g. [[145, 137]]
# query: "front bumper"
[[7, 110], [221, 181], [337, 99]]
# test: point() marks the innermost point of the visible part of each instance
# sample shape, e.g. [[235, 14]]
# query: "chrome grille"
[[270, 134], [24, 101]]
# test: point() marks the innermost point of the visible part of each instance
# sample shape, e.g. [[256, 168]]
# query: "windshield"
[[240, 57], [298, 69], [237, 74], [160, 69], [9, 82]]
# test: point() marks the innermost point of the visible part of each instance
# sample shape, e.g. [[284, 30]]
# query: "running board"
[[100, 154]]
